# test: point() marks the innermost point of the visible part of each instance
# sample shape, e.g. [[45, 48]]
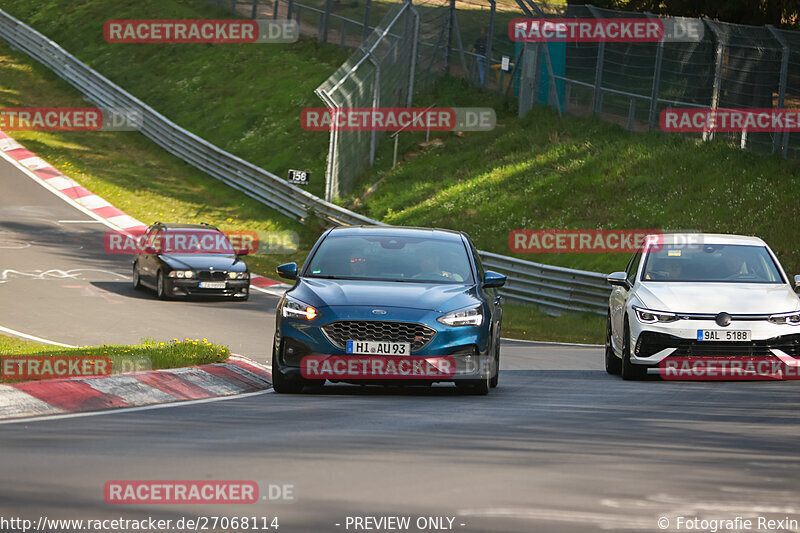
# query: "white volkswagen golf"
[[704, 295]]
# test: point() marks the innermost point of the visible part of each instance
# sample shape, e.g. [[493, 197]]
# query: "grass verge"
[[148, 355]]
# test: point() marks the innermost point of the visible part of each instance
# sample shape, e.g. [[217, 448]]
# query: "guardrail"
[[553, 288]]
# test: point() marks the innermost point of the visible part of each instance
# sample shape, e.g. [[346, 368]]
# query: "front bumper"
[[653, 343], [468, 346], [236, 288]]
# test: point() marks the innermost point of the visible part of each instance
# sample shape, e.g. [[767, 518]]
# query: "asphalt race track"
[[558, 446]]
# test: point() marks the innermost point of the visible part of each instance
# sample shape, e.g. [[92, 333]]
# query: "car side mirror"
[[618, 279], [287, 270], [242, 251], [150, 250], [493, 279], [797, 282]]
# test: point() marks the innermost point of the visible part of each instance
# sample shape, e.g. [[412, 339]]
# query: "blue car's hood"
[[428, 296]]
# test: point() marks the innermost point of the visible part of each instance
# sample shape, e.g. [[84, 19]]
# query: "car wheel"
[[137, 282], [282, 384], [161, 290], [630, 371], [613, 363], [496, 375]]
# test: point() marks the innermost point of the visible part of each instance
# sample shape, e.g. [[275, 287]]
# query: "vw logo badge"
[[723, 319]]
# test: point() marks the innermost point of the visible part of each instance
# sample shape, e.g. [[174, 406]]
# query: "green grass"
[[524, 322], [149, 354], [543, 171]]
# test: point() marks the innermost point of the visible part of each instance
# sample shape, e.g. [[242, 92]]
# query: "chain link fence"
[[732, 66]]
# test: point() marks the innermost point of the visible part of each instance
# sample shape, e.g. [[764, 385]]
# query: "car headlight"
[[647, 316], [296, 309], [181, 274], [238, 275], [469, 316], [793, 319]]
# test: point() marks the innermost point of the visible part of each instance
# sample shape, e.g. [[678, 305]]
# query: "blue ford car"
[[394, 292]]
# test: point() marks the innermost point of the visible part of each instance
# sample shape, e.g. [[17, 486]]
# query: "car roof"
[[709, 238], [400, 231]]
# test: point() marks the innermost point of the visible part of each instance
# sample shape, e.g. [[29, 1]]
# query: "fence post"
[[233, 6], [289, 14], [297, 17], [782, 140], [323, 27], [376, 92], [597, 103], [489, 40], [367, 7], [275, 10], [255, 9], [656, 82], [451, 15], [414, 51], [707, 136]]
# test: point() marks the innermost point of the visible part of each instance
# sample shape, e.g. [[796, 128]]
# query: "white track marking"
[[46, 185], [33, 338]]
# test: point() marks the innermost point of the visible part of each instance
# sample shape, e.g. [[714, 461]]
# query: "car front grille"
[[650, 343], [216, 275], [342, 331]]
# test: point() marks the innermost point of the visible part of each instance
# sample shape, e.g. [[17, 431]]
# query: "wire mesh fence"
[[731, 67]]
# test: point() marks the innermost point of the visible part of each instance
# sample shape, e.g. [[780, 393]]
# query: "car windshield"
[[391, 258], [192, 241], [726, 263]]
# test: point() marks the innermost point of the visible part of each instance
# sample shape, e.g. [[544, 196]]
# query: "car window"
[[711, 263], [391, 258], [633, 266]]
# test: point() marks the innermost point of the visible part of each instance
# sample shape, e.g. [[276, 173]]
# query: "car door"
[[147, 262], [619, 300]]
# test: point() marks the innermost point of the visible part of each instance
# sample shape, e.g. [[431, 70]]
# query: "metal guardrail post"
[[781, 140], [707, 136]]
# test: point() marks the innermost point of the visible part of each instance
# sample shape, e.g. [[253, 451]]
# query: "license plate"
[[378, 348], [212, 284], [742, 335]]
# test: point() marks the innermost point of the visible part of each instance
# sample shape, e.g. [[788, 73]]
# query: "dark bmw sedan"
[[183, 260], [389, 305]]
